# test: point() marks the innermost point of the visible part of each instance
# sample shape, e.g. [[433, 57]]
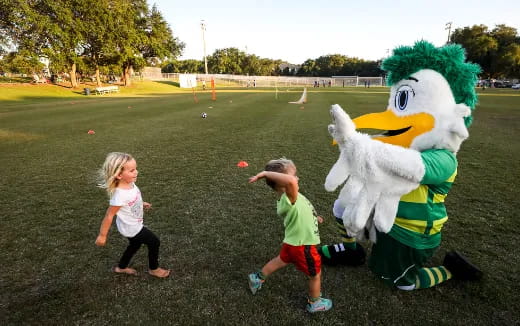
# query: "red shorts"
[[305, 258]]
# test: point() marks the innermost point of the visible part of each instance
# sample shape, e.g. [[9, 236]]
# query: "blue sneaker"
[[321, 304], [255, 282]]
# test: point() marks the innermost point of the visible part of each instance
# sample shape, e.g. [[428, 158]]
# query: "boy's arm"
[[287, 181], [105, 225]]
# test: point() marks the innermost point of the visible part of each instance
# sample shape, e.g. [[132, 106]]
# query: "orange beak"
[[399, 130]]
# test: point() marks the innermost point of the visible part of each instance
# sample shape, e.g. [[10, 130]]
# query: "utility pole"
[[448, 27], [203, 27]]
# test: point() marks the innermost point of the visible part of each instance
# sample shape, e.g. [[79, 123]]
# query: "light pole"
[[203, 27], [448, 27]]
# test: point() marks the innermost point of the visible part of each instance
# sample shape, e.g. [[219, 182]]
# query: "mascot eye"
[[402, 96]]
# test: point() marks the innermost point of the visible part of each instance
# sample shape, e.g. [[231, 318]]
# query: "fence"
[[279, 81]]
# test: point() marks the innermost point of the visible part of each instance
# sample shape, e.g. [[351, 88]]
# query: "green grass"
[[216, 228]]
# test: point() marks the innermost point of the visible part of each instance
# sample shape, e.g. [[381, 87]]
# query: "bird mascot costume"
[[395, 183]]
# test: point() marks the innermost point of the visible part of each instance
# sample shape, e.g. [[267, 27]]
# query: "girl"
[[118, 176]]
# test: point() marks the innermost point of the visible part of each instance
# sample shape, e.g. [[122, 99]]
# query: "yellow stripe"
[[448, 273], [419, 195], [438, 198], [348, 239], [430, 276], [437, 225], [439, 274], [452, 178], [412, 225]]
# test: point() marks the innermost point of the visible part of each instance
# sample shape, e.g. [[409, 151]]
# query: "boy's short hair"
[[281, 165]]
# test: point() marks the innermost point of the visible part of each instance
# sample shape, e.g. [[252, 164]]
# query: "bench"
[[106, 90]]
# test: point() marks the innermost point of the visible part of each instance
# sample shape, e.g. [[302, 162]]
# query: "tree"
[[309, 68], [227, 61], [496, 51], [23, 62], [182, 66], [43, 28]]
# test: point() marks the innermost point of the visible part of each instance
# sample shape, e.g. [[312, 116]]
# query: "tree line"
[[94, 37], [234, 61]]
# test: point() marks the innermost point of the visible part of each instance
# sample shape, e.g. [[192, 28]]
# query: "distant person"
[[203, 85], [118, 176], [368, 84], [254, 82], [301, 232], [330, 83]]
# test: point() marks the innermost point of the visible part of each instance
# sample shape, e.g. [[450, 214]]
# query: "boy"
[[301, 232]]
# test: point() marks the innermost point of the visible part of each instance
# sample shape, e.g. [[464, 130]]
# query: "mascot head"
[[431, 98]]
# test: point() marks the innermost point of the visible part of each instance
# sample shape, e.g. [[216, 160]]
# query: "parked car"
[[516, 86]]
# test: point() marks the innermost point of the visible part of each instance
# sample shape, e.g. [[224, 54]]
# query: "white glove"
[[375, 174]]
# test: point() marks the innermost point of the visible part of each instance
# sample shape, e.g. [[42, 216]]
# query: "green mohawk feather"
[[447, 60]]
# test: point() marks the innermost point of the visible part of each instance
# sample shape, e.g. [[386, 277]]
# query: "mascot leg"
[[403, 267], [455, 265], [348, 252]]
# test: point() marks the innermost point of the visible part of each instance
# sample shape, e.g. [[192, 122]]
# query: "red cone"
[[242, 164]]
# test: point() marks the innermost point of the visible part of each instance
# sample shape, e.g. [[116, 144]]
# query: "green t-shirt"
[[300, 221], [421, 213]]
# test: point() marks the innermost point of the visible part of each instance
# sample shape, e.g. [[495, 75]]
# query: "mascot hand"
[[375, 174], [342, 126]]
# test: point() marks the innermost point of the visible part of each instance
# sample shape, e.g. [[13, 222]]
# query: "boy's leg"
[[315, 286], [272, 266], [258, 278], [312, 267]]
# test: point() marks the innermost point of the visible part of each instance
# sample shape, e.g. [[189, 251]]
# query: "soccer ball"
[[204, 115]]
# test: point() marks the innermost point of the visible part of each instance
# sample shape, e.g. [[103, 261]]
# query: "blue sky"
[[295, 31]]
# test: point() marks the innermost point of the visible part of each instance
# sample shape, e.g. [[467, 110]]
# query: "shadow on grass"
[[166, 82]]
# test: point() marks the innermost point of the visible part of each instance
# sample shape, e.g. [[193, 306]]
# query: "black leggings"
[[148, 238]]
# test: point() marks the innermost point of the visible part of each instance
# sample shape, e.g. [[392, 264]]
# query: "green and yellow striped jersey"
[[421, 213]]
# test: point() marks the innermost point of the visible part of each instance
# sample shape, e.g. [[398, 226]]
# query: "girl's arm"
[[105, 225], [287, 181]]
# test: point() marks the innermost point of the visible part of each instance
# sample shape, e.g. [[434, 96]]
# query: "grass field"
[[216, 228]]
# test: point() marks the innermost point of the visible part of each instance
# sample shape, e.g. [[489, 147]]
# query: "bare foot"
[[159, 272], [128, 270]]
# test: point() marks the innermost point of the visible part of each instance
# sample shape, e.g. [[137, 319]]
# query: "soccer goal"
[[357, 81]]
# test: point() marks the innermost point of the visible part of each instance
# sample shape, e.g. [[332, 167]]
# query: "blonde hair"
[[112, 167], [280, 165]]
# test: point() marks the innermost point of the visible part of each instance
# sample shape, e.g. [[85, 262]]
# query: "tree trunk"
[[128, 81], [73, 81], [98, 80]]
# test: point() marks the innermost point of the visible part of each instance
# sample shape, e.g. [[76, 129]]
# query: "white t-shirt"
[[130, 216]]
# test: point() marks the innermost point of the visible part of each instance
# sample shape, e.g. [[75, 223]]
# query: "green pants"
[[396, 263]]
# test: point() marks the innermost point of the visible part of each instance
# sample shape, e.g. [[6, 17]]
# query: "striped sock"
[[428, 277], [348, 242]]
